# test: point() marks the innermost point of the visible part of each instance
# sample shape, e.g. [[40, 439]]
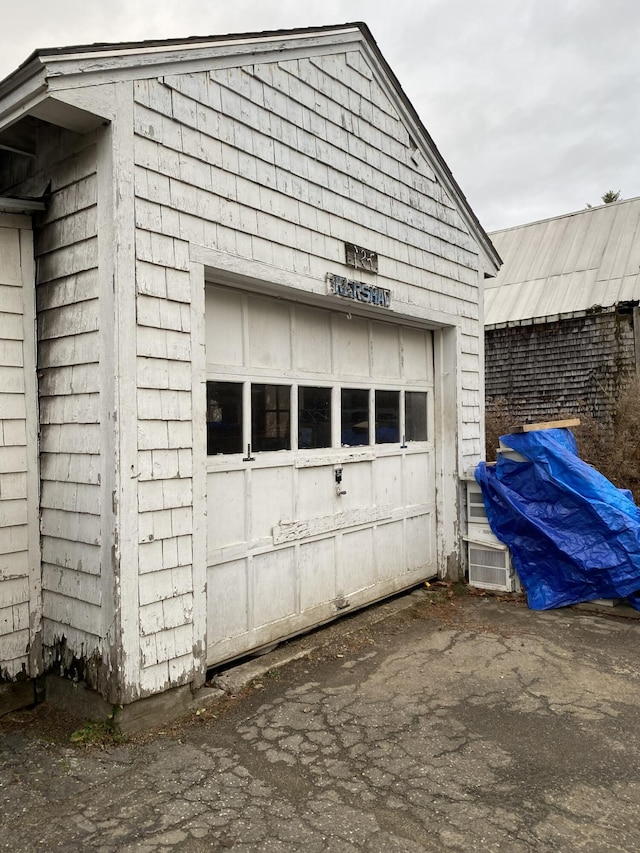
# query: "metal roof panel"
[[567, 264]]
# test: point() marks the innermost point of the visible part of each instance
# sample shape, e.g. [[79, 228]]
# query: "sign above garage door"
[[370, 294]]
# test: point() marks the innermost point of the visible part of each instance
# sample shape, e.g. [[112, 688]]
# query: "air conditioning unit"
[[476, 513], [490, 565], [488, 559]]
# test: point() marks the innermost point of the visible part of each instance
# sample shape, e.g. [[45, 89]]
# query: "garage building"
[[240, 351]]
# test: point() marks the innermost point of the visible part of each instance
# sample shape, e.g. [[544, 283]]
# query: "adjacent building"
[[562, 331]]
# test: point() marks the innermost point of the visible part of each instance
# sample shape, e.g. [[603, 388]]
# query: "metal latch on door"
[[337, 473]]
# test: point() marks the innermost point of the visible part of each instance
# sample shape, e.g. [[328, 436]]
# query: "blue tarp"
[[572, 534]]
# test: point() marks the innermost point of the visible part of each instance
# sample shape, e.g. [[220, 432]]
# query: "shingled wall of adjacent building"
[[575, 365]]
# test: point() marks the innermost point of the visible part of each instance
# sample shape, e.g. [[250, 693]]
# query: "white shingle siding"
[[338, 182], [69, 388], [279, 163], [264, 176], [19, 546], [165, 494]]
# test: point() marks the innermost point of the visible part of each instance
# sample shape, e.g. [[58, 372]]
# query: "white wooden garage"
[[258, 296]]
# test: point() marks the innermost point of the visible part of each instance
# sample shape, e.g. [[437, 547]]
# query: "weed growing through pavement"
[[98, 732]]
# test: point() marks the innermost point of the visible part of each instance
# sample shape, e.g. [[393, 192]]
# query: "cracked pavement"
[[469, 725]]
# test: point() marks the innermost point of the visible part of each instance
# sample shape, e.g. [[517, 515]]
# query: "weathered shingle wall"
[[69, 390], [69, 353], [280, 163], [19, 604], [576, 365]]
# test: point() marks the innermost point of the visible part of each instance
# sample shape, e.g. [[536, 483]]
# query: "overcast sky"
[[534, 104]]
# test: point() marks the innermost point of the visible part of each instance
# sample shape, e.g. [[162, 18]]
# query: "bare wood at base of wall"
[[16, 695]]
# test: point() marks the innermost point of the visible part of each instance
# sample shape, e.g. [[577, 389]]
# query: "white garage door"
[[320, 466]]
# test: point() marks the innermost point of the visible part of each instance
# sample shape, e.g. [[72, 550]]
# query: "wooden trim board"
[[564, 424]]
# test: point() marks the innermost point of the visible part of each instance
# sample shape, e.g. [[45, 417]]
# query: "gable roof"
[[31, 89], [564, 266]]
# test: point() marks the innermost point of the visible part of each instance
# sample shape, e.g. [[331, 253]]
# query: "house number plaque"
[[361, 258]]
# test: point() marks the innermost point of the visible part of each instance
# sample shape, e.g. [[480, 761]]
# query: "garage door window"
[[314, 417], [415, 415], [398, 415], [387, 417], [224, 417], [270, 417], [354, 416]]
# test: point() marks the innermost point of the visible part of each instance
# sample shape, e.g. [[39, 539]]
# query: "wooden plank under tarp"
[[564, 424]]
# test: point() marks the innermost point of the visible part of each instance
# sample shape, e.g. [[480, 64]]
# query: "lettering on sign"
[[361, 258], [360, 291]]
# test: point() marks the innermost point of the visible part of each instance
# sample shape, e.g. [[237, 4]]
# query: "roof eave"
[[22, 90], [26, 206], [159, 45]]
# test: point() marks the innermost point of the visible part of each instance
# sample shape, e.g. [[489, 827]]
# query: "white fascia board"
[[153, 61], [19, 94], [17, 205], [174, 64]]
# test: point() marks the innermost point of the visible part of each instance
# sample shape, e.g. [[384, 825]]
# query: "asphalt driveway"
[[460, 725]]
